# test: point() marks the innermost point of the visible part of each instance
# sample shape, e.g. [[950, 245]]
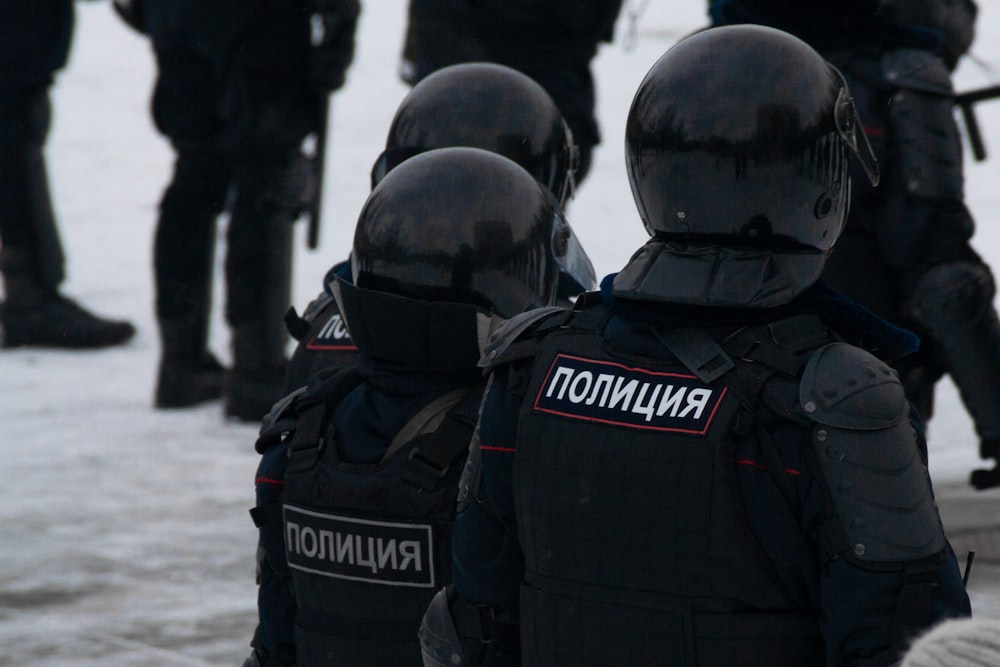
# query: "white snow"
[[124, 533]]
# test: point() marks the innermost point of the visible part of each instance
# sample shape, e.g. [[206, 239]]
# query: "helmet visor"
[[576, 272], [850, 129]]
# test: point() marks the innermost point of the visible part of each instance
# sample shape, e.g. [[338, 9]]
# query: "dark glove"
[[332, 27]]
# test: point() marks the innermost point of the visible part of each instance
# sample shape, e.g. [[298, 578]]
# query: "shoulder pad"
[[282, 409], [510, 330], [916, 69], [317, 306], [847, 387], [279, 420]]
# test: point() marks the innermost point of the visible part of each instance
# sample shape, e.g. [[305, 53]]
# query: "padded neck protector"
[[439, 336], [707, 275]]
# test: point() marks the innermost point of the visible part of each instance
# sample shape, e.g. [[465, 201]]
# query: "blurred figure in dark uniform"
[[34, 44], [552, 41], [906, 251], [240, 86]]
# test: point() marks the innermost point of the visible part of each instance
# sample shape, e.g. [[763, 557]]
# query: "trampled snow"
[[124, 533]]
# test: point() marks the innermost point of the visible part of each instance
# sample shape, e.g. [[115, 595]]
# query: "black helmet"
[[737, 147], [488, 106], [462, 225]]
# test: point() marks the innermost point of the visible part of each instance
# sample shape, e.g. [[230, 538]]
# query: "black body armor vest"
[[630, 516], [370, 545]]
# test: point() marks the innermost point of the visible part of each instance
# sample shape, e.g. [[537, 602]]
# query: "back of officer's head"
[[461, 225], [488, 106], [737, 147]]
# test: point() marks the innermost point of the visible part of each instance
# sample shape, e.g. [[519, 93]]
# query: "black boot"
[[38, 316], [953, 302], [182, 383], [35, 314], [987, 478], [183, 260], [257, 378], [189, 374]]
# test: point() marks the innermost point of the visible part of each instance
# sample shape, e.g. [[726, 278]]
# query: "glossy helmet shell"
[[739, 138], [488, 106], [461, 225]]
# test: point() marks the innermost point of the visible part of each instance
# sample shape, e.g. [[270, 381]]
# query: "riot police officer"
[[34, 45], [553, 42], [482, 105], [367, 459], [906, 251], [698, 465], [239, 86]]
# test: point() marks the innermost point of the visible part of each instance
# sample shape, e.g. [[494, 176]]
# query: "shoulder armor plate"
[[316, 306], [847, 387], [868, 457], [916, 69], [279, 420]]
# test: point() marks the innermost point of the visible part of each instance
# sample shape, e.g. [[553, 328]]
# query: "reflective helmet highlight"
[[488, 106], [463, 225], [737, 148]]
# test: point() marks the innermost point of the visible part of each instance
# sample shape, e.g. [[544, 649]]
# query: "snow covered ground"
[[124, 533]]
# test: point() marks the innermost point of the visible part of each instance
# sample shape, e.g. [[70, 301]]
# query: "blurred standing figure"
[[240, 86], [906, 251], [552, 41], [34, 44]]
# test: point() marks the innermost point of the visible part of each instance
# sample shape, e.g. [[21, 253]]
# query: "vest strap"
[[426, 420], [433, 454], [694, 348], [312, 429]]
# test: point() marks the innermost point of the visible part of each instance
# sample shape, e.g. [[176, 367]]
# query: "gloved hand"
[[332, 27]]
